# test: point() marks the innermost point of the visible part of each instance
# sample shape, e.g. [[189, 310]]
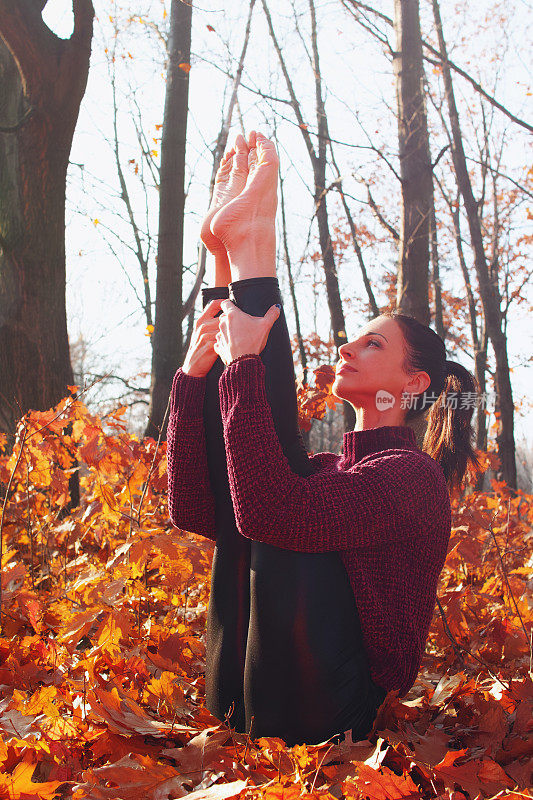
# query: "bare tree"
[[488, 285], [372, 303], [318, 163], [174, 308], [415, 168], [218, 152], [42, 82], [477, 327], [167, 338], [360, 12], [435, 269]]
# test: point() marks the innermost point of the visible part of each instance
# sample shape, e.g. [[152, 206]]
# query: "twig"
[[319, 765], [8, 487], [505, 573], [457, 647], [248, 738]]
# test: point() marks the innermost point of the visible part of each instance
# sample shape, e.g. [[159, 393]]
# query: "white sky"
[[101, 302]]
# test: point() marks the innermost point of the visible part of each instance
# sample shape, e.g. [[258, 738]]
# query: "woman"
[[325, 567]]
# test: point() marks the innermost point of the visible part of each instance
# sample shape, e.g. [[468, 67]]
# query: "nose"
[[345, 352]]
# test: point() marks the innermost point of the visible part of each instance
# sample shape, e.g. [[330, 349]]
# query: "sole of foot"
[[253, 211], [230, 180]]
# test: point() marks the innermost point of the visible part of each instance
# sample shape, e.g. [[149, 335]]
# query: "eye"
[[374, 341]]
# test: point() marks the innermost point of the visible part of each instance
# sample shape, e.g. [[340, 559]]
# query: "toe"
[[240, 163], [252, 158], [240, 143], [267, 152], [225, 165], [265, 142]]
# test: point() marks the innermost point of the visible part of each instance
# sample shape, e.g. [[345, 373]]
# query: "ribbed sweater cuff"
[[242, 381], [187, 396]]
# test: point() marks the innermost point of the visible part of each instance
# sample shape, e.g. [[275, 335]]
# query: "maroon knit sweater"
[[383, 505]]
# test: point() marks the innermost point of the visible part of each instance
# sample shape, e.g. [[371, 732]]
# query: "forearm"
[[272, 503], [190, 499], [369, 505]]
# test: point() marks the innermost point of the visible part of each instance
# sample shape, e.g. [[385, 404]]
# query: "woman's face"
[[370, 371]]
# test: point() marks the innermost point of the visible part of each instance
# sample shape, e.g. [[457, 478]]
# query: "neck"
[[372, 418]]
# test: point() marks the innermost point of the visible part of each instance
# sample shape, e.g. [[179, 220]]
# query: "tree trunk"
[[318, 162], [479, 338], [480, 371], [488, 288], [319, 171], [218, 152], [373, 308], [435, 269], [167, 349], [415, 164], [306, 435], [42, 82]]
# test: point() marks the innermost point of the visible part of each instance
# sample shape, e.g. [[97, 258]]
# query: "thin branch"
[[500, 174], [110, 376], [477, 86], [459, 647], [443, 150], [372, 203], [364, 274], [294, 101]]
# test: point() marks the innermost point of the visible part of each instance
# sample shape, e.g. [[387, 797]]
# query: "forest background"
[[102, 602], [112, 244]]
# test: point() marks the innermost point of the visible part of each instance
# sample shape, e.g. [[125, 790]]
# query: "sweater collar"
[[357, 444]]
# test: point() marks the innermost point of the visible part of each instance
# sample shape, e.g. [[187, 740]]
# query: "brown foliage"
[[102, 650]]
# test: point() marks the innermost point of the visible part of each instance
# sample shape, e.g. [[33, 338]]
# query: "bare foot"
[[230, 180], [249, 219]]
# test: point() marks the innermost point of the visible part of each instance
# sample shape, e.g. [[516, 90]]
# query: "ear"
[[417, 383]]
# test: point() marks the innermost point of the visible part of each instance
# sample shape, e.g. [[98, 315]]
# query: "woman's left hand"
[[241, 333]]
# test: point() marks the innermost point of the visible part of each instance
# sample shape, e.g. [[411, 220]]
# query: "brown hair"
[[449, 433]]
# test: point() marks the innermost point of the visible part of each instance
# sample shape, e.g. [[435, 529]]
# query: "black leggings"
[[284, 642]]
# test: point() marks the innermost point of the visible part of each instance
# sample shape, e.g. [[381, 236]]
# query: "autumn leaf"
[[102, 648], [379, 784], [20, 785]]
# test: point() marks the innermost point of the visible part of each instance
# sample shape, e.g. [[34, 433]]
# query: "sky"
[[103, 286]]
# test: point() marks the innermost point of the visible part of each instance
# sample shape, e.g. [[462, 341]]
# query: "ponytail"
[[449, 401], [448, 437]]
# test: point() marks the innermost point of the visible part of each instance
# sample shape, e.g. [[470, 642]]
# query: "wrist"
[[194, 373], [242, 356]]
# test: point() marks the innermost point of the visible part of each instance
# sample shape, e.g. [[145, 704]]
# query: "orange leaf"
[[382, 784], [20, 785]]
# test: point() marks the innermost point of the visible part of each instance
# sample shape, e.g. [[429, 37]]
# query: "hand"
[[241, 333], [201, 354]]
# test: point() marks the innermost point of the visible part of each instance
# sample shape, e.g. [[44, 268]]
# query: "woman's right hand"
[[201, 354]]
